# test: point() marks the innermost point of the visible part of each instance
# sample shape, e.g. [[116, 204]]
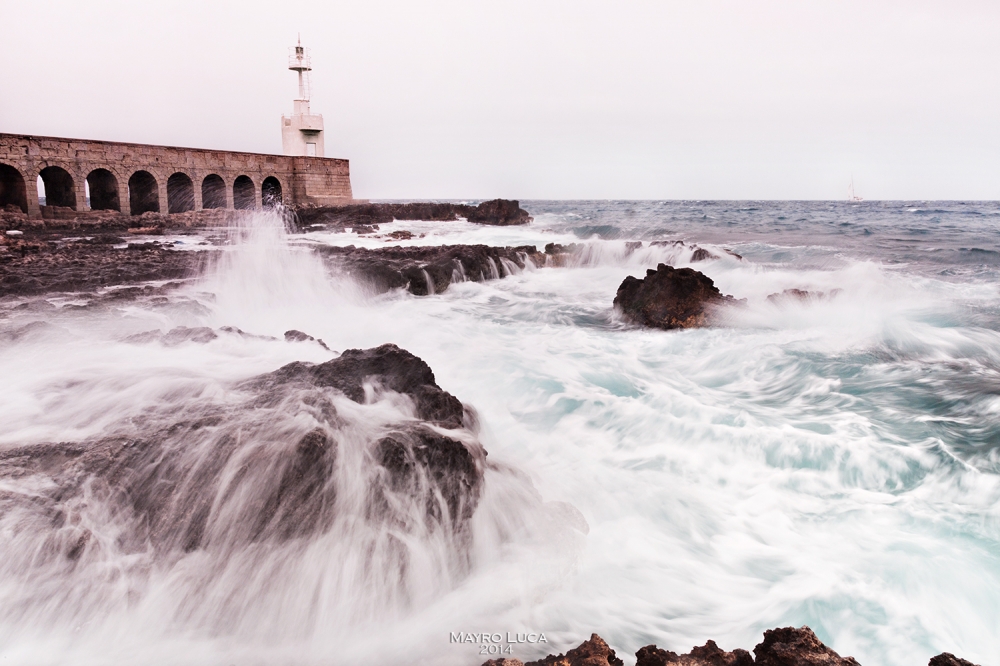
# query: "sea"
[[830, 461]]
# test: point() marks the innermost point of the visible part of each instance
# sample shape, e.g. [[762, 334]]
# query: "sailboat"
[[851, 196]]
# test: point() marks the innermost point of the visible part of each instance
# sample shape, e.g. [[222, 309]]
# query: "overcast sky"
[[540, 99]]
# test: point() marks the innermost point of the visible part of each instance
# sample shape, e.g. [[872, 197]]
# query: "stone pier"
[[135, 178]]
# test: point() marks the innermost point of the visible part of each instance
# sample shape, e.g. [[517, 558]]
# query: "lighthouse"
[[302, 132]]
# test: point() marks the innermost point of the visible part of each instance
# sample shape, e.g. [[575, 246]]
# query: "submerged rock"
[[670, 298], [801, 295]]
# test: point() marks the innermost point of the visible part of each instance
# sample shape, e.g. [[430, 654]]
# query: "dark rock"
[[797, 647], [594, 652], [670, 298], [38, 266], [299, 336], [709, 654], [426, 270], [499, 212], [948, 659], [401, 234], [701, 254], [224, 476], [496, 212], [395, 369], [421, 463], [505, 661], [556, 248]]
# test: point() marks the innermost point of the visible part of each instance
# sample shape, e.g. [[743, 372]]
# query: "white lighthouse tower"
[[302, 133]]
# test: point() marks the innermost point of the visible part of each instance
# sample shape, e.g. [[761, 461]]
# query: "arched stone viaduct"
[[136, 178]]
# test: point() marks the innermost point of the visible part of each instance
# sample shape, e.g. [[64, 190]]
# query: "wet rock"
[[430, 270], [34, 329], [401, 234], [556, 248], [175, 336], [780, 647], [948, 659], [393, 368], [37, 266], [418, 459], [259, 466], [594, 652], [709, 654], [505, 661], [701, 254], [499, 212], [789, 646], [801, 295], [670, 298], [299, 336]]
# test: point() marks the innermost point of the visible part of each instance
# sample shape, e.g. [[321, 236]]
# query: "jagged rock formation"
[[594, 652], [221, 478], [948, 659], [670, 298], [430, 270], [788, 646], [34, 266], [709, 654], [498, 212]]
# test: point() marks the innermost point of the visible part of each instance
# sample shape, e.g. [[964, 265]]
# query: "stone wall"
[[136, 178]]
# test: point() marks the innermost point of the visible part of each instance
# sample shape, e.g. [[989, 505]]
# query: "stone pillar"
[[196, 182], [80, 185], [161, 185], [229, 192], [31, 191], [123, 201]]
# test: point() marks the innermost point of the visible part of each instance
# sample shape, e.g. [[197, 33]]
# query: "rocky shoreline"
[[363, 217], [787, 646]]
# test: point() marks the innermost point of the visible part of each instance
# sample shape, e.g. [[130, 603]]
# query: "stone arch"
[[143, 193], [270, 192], [13, 191], [103, 190], [244, 193], [213, 191], [180, 193], [59, 189]]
